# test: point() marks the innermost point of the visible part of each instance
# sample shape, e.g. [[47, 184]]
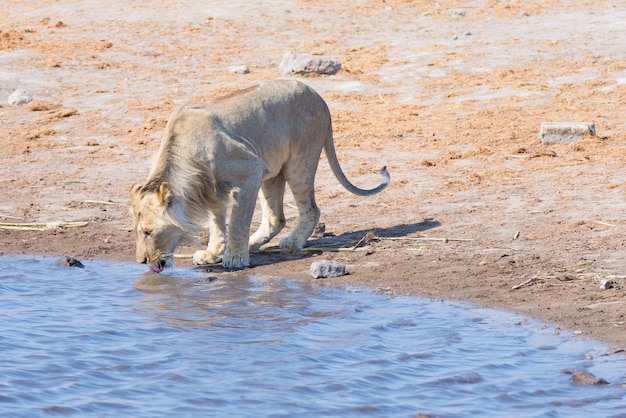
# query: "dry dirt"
[[449, 95]]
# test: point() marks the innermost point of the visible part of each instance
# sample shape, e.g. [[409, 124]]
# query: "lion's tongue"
[[157, 269]]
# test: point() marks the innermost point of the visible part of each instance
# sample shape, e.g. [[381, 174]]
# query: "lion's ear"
[[165, 193], [134, 191]]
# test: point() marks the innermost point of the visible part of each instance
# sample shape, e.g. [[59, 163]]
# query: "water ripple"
[[114, 340]]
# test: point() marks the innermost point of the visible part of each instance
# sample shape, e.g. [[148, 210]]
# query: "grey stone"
[[323, 269], [565, 132], [19, 97], [456, 12], [305, 64], [240, 69]]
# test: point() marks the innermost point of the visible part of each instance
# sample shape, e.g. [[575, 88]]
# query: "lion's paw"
[[235, 260], [292, 243], [205, 257]]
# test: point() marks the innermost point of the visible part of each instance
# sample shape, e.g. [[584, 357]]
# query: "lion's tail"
[[331, 155]]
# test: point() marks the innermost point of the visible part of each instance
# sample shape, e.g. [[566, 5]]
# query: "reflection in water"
[[185, 298], [86, 342]]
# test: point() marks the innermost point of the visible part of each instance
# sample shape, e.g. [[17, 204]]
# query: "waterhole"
[[115, 340]]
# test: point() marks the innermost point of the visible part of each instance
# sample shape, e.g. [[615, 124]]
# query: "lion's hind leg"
[[217, 240], [273, 220], [302, 188]]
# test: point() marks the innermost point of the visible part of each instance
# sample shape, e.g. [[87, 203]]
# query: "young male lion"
[[220, 155]]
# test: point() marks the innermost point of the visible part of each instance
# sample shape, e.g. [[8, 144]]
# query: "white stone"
[[19, 97], [240, 69], [565, 132], [606, 284], [305, 64]]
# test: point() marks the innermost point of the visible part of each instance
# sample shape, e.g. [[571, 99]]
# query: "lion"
[[226, 154]]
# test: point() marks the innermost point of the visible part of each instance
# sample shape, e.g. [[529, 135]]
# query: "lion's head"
[[156, 234]]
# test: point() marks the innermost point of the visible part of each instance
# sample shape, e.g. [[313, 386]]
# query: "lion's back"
[[282, 101], [276, 94]]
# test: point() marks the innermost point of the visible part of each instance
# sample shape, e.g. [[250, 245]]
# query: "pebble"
[[586, 378], [323, 269], [240, 69], [306, 64], [19, 97], [606, 284], [565, 132], [71, 262]]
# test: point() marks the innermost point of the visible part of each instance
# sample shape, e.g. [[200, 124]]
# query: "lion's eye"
[[146, 234]]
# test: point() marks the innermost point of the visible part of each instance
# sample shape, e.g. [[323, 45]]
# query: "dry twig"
[[424, 239], [100, 202], [41, 226], [328, 248], [527, 282], [604, 223], [614, 295]]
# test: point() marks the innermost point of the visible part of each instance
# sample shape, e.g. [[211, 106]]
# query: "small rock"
[[586, 378], [456, 12], [565, 132], [306, 64], [71, 262], [323, 269], [19, 97], [606, 284], [240, 69]]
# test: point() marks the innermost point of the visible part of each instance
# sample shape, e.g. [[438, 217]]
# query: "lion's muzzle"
[[157, 268], [156, 264]]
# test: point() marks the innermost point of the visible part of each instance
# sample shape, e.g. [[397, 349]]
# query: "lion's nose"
[[143, 260]]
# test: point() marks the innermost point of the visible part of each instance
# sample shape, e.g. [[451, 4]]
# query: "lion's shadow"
[[331, 241], [396, 231]]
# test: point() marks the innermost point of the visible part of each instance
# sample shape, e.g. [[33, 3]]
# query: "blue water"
[[114, 340]]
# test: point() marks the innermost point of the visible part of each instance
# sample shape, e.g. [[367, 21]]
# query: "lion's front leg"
[[217, 240], [237, 253]]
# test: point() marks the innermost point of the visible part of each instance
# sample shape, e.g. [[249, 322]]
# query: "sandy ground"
[[449, 95]]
